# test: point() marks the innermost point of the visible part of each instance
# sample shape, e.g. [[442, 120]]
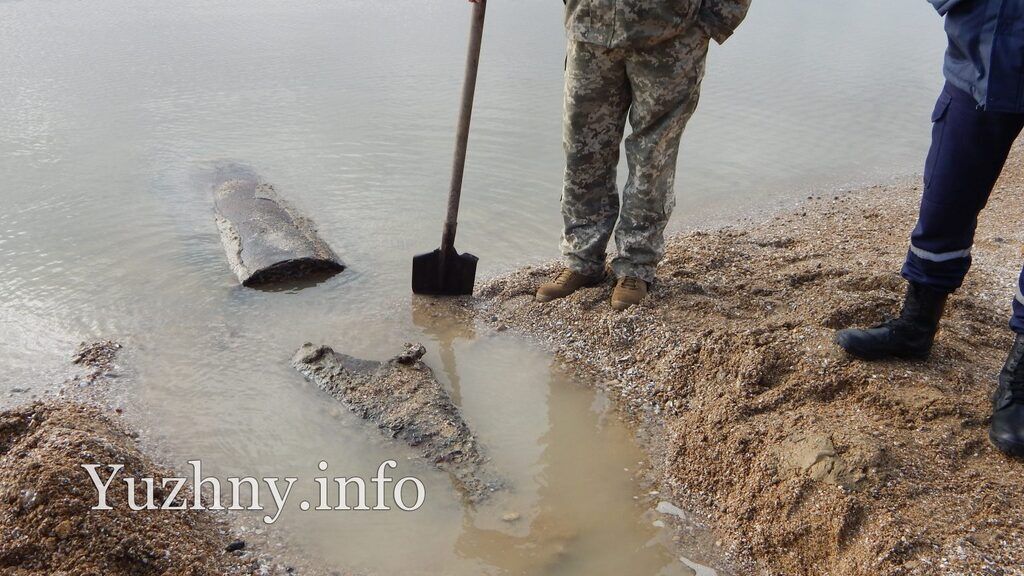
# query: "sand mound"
[[47, 527], [809, 462]]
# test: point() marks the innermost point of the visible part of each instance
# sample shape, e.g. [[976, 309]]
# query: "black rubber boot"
[[1007, 428], [909, 336]]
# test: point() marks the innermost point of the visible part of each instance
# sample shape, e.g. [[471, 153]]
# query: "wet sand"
[[47, 525], [403, 399], [804, 460]]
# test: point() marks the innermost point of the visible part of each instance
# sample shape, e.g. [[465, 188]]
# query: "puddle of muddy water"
[[574, 505]]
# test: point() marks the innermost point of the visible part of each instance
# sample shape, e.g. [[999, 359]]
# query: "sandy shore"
[[47, 525], [804, 460]]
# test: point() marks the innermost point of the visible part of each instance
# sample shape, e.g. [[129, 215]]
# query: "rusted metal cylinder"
[[267, 241]]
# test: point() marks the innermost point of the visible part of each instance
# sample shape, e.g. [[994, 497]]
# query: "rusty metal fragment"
[[266, 240]]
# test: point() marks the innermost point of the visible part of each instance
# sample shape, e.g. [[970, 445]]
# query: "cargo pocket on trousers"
[[670, 203], [941, 106], [939, 114]]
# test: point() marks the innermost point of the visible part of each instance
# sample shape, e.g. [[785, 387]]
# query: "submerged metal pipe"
[[266, 240]]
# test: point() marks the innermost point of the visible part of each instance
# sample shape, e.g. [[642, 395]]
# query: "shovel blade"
[[439, 274]]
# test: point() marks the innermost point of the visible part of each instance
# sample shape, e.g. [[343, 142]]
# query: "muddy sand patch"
[[805, 460], [47, 526], [405, 401]]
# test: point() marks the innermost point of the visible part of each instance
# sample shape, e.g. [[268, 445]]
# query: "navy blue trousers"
[[968, 150]]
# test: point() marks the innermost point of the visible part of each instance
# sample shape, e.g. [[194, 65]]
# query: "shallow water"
[[111, 111]]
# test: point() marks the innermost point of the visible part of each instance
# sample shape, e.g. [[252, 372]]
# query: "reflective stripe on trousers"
[[969, 147]]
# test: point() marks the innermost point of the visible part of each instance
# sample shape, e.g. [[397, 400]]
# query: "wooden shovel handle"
[[476, 36]]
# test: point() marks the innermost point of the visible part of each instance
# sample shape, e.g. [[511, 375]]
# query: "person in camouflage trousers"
[[641, 59]]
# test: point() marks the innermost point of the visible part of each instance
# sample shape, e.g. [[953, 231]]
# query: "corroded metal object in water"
[[404, 399], [267, 241]]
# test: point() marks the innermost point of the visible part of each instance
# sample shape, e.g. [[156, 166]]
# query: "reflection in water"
[[572, 479], [571, 508], [583, 507], [444, 324], [308, 280], [112, 108]]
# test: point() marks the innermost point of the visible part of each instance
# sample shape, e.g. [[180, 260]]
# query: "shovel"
[[444, 271]]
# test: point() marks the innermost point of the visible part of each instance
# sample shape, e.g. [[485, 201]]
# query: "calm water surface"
[[110, 109]]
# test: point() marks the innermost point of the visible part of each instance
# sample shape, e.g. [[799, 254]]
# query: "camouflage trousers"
[[657, 88]]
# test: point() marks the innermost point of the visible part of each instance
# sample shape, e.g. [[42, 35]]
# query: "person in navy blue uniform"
[[977, 117]]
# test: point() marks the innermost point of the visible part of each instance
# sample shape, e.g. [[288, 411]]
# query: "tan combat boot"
[[629, 291], [565, 283]]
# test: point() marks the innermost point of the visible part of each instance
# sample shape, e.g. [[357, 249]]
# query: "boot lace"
[[897, 322], [630, 283], [1014, 391], [564, 277], [912, 308], [1013, 372]]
